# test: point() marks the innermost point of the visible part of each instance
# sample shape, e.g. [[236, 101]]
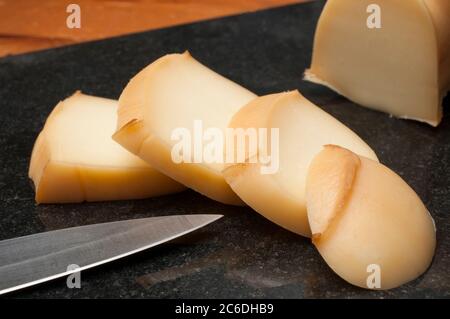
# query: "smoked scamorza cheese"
[[303, 129], [75, 159], [172, 94], [367, 223], [401, 68]]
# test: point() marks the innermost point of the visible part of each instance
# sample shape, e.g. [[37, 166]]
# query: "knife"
[[33, 259]]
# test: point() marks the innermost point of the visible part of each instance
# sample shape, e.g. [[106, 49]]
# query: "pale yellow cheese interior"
[[363, 214], [303, 129], [75, 159], [174, 92], [402, 68]]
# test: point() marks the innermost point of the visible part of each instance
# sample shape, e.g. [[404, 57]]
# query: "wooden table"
[[27, 25]]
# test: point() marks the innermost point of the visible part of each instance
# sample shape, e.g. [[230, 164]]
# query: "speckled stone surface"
[[241, 255]]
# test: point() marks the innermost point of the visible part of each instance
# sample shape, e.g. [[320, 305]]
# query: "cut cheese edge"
[[379, 221], [327, 197], [303, 129], [402, 68], [75, 159], [172, 93]]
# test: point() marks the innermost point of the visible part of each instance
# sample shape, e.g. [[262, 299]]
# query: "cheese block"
[[367, 223], [75, 159], [174, 94], [389, 55], [303, 129]]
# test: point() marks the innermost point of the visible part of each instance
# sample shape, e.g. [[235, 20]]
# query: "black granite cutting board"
[[243, 254]]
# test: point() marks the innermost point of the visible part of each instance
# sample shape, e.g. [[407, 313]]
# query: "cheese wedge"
[[75, 159], [173, 93], [303, 129], [370, 227], [401, 68]]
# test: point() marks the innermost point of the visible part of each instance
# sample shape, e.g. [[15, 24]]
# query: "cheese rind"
[[303, 129], [325, 197], [173, 92], [402, 68], [75, 159], [379, 220]]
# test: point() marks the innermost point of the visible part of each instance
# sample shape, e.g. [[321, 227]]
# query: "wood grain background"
[[29, 25]]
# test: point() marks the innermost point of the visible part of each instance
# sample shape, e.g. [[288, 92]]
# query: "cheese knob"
[[177, 94], [388, 55], [75, 159], [367, 223], [304, 128]]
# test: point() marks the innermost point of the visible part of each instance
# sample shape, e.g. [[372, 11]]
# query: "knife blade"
[[33, 259]]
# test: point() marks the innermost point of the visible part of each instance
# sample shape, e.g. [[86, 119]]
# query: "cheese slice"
[[303, 129], [401, 68], [174, 93], [366, 221], [75, 159]]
